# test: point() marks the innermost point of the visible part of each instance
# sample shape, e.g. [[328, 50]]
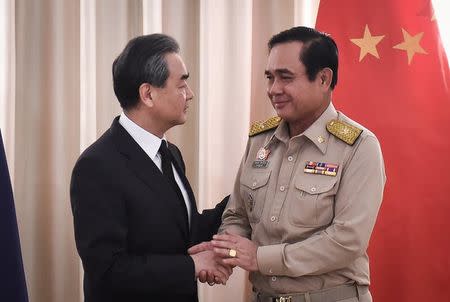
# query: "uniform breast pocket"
[[253, 192], [313, 202]]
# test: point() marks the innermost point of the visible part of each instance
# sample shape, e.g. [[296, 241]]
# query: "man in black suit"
[[134, 211]]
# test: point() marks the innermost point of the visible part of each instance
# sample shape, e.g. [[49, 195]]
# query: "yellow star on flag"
[[368, 44], [411, 45]]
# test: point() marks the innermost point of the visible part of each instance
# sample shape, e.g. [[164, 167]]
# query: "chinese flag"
[[394, 79]]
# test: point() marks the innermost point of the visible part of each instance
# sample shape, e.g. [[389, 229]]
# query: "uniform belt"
[[337, 293]]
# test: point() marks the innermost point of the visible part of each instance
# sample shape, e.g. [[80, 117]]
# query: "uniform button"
[[282, 188], [254, 184], [270, 271], [313, 189], [290, 158], [273, 218], [274, 278]]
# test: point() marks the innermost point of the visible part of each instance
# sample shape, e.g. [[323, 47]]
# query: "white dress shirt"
[[150, 143]]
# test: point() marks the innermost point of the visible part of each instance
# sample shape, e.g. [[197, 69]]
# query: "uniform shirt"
[[150, 143], [312, 230]]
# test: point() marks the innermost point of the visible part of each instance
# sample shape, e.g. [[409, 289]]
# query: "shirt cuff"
[[234, 229], [270, 259]]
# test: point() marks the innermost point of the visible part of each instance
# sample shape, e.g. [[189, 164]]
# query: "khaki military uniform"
[[312, 227]]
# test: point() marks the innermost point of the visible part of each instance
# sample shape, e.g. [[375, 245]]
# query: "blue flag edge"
[[12, 276]]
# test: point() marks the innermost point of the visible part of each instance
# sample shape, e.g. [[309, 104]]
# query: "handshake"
[[214, 260]]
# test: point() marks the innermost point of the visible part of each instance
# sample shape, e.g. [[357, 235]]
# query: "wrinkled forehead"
[[285, 56]]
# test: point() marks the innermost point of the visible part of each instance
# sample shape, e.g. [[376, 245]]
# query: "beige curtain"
[[56, 98]]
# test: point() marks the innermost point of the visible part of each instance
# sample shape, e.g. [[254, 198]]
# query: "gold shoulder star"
[[368, 44], [411, 45]]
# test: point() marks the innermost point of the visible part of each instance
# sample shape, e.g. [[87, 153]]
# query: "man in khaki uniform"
[[309, 187]]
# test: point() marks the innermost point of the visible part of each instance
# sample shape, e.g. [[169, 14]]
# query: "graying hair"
[[157, 70], [142, 61]]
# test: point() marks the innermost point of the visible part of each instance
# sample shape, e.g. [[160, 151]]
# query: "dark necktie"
[[166, 164]]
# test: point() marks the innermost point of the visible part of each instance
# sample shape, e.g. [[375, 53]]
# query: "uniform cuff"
[[233, 229], [270, 259]]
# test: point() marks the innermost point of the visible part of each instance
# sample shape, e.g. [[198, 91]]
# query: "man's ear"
[[146, 92], [326, 76]]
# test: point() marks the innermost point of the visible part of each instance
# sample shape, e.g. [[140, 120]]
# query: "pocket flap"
[[315, 186], [255, 180]]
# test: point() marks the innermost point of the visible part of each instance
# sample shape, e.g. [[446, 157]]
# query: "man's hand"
[[201, 247], [204, 276], [208, 268], [236, 250]]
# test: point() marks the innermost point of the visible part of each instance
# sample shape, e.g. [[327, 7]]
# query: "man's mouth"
[[279, 103]]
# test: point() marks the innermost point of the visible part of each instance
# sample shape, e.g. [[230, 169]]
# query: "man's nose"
[[275, 88], [190, 93]]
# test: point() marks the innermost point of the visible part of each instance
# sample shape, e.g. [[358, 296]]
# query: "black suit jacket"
[[131, 230]]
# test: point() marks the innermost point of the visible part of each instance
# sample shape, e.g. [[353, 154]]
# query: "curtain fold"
[[57, 98], [224, 107], [181, 20], [46, 143]]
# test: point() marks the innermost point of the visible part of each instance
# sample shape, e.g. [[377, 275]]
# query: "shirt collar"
[[149, 142], [316, 133], [282, 132]]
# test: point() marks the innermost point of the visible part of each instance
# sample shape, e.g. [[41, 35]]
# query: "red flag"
[[394, 79]]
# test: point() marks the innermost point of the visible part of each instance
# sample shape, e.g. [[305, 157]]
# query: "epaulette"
[[260, 127], [344, 131]]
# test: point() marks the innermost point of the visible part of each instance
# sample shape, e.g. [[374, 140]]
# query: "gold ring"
[[232, 253]]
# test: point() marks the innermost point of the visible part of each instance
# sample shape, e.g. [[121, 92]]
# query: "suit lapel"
[[146, 170]]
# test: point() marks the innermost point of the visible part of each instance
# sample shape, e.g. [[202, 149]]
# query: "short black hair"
[[142, 61], [319, 50]]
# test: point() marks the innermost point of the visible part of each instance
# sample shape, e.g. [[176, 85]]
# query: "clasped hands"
[[214, 260]]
